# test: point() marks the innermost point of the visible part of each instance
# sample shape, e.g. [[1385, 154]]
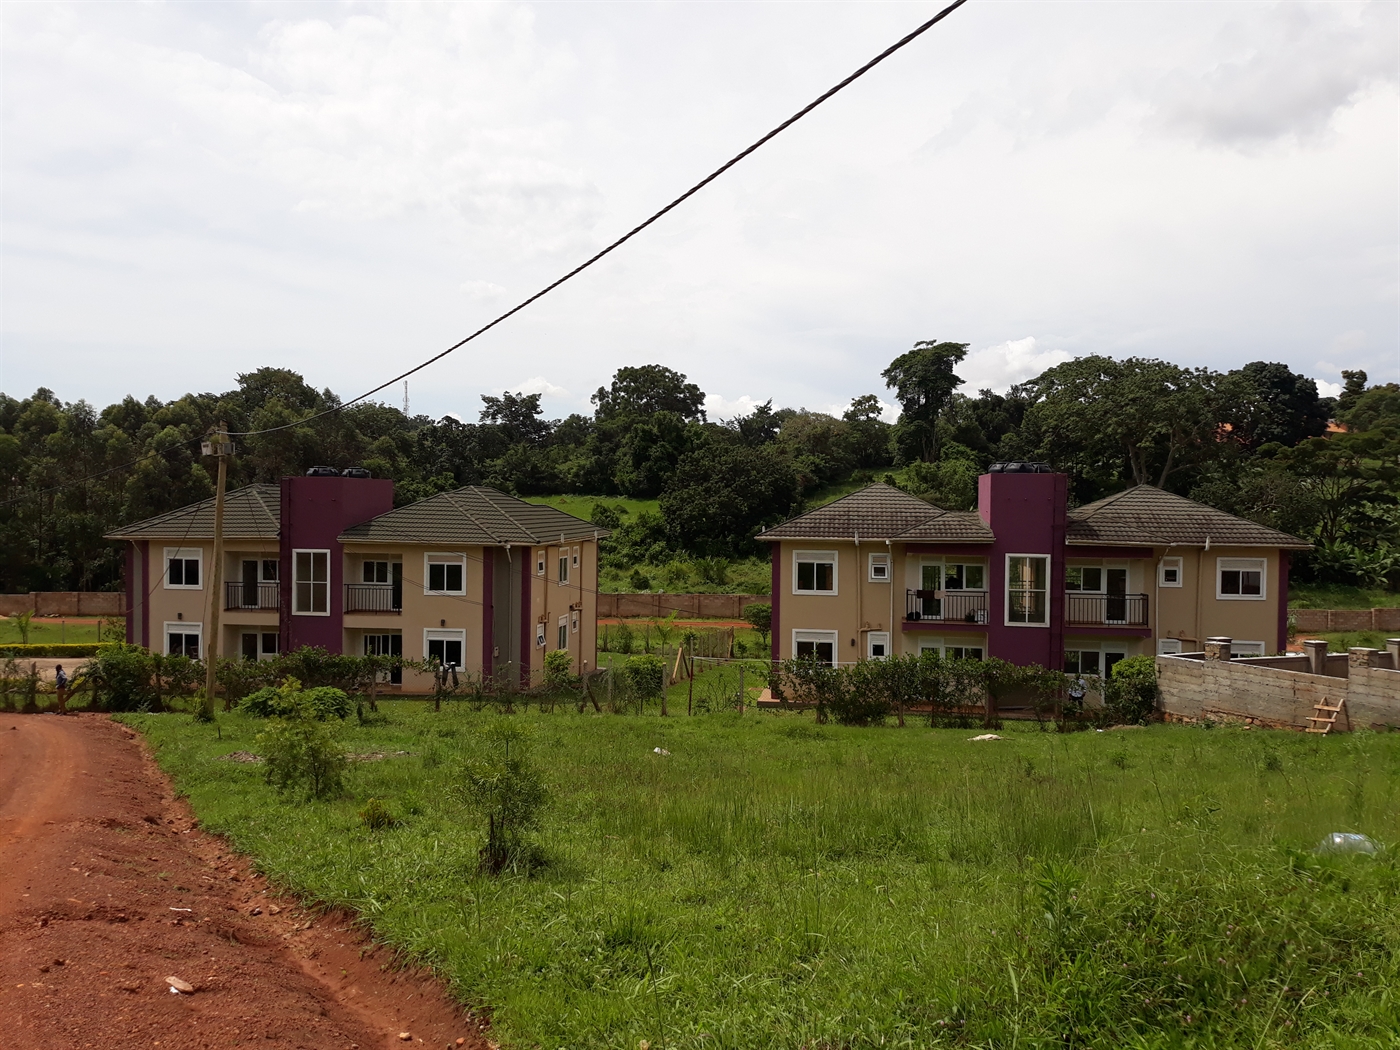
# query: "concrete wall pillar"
[[1360, 656], [1218, 648], [1316, 648], [1392, 646]]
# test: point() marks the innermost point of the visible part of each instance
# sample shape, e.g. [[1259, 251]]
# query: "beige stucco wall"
[[859, 606], [1193, 612], [550, 600]]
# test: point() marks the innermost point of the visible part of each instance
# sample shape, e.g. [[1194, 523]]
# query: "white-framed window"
[[184, 568], [1027, 590], [964, 576], [269, 573], [375, 572], [815, 645], [563, 633], [879, 568], [877, 645], [311, 582], [573, 621], [184, 639], [1239, 648], [539, 636], [563, 566], [1169, 573], [1240, 579], [539, 562], [814, 572], [573, 558], [1096, 661], [445, 646], [1084, 578], [959, 651], [444, 574], [1168, 646]]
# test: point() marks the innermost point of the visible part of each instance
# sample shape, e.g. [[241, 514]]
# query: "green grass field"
[[48, 632], [775, 883], [582, 506], [1341, 641], [1337, 596]]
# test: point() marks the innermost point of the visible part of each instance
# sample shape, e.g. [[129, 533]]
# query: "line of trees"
[[1254, 441]]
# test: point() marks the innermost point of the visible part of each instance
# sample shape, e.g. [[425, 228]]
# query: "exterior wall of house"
[[1194, 611], [314, 512], [554, 602], [167, 604], [1027, 514], [235, 620]]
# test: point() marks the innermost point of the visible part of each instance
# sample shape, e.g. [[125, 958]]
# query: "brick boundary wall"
[[65, 603], [1346, 619], [1281, 692], [700, 606]]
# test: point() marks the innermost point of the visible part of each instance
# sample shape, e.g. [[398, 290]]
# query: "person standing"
[[60, 681]]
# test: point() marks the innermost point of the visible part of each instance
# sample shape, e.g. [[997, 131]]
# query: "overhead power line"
[[896, 46]]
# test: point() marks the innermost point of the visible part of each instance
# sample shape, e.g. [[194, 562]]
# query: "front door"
[[930, 586], [250, 646], [250, 585], [1116, 610]]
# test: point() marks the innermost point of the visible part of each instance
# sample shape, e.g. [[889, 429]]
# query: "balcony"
[[1105, 610], [946, 606], [374, 598], [251, 596]]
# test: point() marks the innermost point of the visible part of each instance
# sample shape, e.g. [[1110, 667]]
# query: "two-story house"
[[473, 578], [1025, 578]]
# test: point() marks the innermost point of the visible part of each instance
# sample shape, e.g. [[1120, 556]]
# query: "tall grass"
[[774, 883]]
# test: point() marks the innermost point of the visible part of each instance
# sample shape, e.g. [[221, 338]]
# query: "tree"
[[1354, 385], [721, 496], [869, 434], [1267, 401], [1342, 472], [647, 389], [518, 417], [1377, 407], [759, 616], [1095, 415], [923, 382]]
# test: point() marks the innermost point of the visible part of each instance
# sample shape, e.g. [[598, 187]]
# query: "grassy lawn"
[[1336, 596], [774, 883], [582, 506], [1341, 641], [48, 632]]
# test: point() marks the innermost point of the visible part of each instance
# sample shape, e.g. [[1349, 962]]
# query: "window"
[[182, 567], [1026, 596], [573, 557], [445, 647], [964, 578], [563, 633], [182, 639], [539, 636], [877, 645], [1239, 648], [1239, 579], [1082, 661], [815, 645], [375, 572], [386, 645], [1083, 578], [951, 652], [1169, 572], [879, 568], [563, 566], [539, 563], [269, 570], [814, 572], [445, 573], [1168, 646], [269, 643], [574, 622], [311, 583]]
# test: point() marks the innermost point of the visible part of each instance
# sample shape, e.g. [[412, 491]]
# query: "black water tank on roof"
[[355, 472], [322, 472], [1020, 467]]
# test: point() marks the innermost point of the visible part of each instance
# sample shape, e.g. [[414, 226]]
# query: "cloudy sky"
[[195, 190]]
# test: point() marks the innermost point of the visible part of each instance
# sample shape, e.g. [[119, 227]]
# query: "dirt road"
[[108, 888]]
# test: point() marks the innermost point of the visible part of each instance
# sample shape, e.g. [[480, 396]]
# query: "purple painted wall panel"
[[777, 591], [1027, 514], [314, 512]]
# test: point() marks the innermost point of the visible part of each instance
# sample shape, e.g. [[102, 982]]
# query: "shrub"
[[646, 675], [302, 752], [558, 669], [51, 650], [123, 678], [624, 639], [326, 701], [502, 784], [376, 815], [759, 616], [290, 700], [639, 581], [1130, 694]]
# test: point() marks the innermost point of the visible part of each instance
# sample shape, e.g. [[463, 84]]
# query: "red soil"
[[108, 887]]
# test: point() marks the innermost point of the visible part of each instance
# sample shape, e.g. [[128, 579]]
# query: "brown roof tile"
[[1149, 516], [963, 526], [876, 512], [471, 516], [252, 512]]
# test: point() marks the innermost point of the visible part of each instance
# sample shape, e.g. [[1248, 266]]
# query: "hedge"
[[71, 650]]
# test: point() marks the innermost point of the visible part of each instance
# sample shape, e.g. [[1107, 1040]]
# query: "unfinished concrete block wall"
[[1321, 620], [64, 603]]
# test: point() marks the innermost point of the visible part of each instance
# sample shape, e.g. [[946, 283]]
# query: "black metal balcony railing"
[[374, 597], [1109, 610], [252, 595], [946, 606]]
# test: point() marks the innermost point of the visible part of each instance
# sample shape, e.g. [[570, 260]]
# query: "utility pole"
[[221, 448]]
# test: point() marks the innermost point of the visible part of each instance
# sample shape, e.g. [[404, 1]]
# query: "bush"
[[503, 785], [1131, 692], [290, 700], [376, 815], [55, 650], [302, 752], [558, 669], [131, 678], [759, 616], [646, 675]]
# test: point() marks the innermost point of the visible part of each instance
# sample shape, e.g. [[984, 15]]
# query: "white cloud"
[[1002, 366], [718, 407], [482, 291], [1326, 389], [538, 385], [888, 412]]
